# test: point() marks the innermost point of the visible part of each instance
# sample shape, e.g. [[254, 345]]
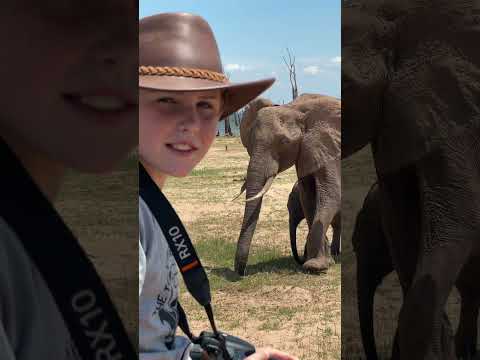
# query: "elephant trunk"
[[293, 224], [258, 175]]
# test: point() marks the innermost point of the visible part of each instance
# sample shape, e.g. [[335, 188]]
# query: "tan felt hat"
[[178, 52]]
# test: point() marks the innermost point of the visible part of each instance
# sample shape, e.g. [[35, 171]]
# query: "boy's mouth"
[[182, 148], [101, 103]]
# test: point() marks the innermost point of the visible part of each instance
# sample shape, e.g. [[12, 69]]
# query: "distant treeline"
[[233, 122]]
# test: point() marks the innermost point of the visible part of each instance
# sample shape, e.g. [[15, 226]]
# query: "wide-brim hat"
[[178, 52]]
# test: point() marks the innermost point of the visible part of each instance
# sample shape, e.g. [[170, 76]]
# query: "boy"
[[69, 101], [183, 95]]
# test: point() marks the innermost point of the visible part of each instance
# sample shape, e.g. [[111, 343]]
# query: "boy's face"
[[69, 73], [177, 128]]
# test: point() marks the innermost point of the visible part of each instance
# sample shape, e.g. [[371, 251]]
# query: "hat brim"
[[238, 94]]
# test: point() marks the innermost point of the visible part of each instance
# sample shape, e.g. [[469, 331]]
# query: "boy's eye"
[[166, 100], [205, 105]]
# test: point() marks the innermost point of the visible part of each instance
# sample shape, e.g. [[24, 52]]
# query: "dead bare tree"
[[228, 128], [237, 117], [292, 72]]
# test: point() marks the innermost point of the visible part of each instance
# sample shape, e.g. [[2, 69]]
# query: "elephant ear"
[[433, 94], [321, 141], [367, 57], [249, 119]]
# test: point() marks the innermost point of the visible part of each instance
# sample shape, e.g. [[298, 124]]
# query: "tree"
[[292, 72], [228, 129], [238, 118]]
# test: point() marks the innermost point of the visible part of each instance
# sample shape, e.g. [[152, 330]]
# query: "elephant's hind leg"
[[324, 200], [337, 232]]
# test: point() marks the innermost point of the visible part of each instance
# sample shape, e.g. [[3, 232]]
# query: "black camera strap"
[[81, 297], [181, 246]]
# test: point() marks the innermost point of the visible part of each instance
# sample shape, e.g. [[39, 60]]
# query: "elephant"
[[296, 215], [304, 133], [374, 263], [411, 91], [467, 332]]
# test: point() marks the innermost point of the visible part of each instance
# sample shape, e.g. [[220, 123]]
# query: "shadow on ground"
[[285, 265]]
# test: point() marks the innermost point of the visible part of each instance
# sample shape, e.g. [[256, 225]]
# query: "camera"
[[220, 346]]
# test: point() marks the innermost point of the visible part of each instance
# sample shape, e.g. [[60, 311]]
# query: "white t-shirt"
[[158, 281], [31, 326]]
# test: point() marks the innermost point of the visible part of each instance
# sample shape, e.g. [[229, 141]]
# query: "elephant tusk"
[[266, 187], [242, 190]]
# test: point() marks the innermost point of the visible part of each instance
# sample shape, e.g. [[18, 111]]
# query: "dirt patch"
[[276, 304], [103, 213], [294, 294]]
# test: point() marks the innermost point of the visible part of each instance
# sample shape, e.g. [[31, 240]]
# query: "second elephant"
[[374, 263], [296, 215]]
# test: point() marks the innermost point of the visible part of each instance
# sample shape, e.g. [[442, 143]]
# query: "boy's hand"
[[270, 354]]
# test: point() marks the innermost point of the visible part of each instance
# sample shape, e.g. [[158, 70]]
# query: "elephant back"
[[306, 102]]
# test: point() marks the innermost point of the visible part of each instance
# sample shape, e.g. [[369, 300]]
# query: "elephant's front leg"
[[450, 224], [337, 233], [467, 333], [424, 329]]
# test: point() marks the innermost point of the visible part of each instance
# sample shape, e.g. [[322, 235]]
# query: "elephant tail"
[[293, 223]]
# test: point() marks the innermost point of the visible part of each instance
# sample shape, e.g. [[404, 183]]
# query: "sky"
[[253, 35]]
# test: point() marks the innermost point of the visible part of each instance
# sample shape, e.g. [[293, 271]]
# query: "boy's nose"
[[190, 121]]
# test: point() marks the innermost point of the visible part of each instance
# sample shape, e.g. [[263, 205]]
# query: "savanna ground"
[[103, 212], [358, 174], [276, 304]]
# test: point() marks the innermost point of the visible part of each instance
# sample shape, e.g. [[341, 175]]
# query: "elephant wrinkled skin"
[[374, 263], [411, 88], [296, 215], [304, 133]]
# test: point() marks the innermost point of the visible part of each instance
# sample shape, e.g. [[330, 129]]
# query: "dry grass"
[[276, 304], [103, 212], [358, 174]]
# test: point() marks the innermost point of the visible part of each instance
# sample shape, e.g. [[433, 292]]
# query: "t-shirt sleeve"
[[6, 351], [142, 266]]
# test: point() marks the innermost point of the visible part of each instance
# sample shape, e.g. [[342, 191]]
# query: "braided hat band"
[[183, 72]]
